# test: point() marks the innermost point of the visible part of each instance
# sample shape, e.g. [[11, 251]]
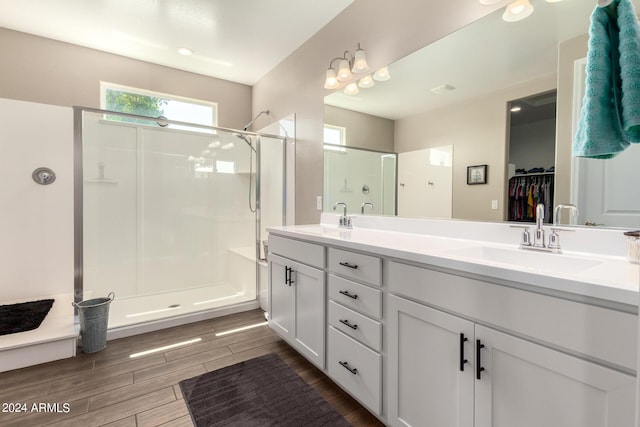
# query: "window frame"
[[104, 86]]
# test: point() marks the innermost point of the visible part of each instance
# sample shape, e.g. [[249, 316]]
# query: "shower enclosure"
[[361, 178], [168, 214]]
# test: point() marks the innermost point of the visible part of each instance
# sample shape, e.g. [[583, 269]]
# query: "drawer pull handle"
[[347, 323], [463, 339], [479, 368], [346, 366], [346, 264], [347, 294]]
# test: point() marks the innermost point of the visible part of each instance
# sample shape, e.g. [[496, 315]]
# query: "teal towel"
[[610, 115]]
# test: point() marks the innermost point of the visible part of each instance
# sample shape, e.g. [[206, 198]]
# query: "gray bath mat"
[[24, 316], [256, 393]]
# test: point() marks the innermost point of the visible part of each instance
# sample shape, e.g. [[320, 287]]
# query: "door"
[[429, 382], [425, 183], [528, 385], [602, 189]]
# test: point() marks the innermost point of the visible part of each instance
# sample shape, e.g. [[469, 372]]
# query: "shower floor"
[[140, 309]]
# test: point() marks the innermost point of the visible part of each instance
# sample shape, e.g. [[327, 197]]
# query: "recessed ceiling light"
[[184, 51]]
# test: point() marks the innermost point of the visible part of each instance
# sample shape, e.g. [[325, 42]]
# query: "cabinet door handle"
[[479, 368], [347, 323], [346, 366], [346, 264], [463, 339], [287, 276], [347, 294]]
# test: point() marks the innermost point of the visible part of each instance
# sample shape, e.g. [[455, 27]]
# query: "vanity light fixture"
[[351, 89], [349, 63], [517, 11], [366, 82], [382, 75]]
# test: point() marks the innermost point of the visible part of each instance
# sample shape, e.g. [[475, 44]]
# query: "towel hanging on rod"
[[610, 115], [610, 7]]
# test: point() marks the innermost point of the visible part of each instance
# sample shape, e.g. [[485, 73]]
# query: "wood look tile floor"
[[108, 388]]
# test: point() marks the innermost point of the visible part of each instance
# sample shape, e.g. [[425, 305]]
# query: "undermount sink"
[[526, 259]]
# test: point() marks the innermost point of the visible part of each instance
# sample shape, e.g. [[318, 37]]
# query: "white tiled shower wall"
[[36, 221]]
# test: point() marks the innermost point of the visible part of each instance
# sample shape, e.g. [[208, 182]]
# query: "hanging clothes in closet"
[[526, 192]]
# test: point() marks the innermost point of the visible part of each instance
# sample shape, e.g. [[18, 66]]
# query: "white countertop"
[[606, 277]]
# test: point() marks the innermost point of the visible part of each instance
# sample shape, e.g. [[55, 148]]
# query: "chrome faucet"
[[573, 211], [345, 221], [538, 242], [365, 204], [538, 235]]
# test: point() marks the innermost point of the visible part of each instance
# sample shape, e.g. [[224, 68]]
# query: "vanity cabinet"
[[444, 369], [297, 296], [354, 342]]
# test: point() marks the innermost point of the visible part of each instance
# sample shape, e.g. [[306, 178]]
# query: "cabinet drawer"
[[356, 325], [362, 298], [356, 368], [304, 252], [357, 266]]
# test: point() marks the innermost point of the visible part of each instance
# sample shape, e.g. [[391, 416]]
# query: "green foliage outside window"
[[133, 103]]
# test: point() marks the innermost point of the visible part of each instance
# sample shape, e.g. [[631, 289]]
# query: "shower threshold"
[[134, 310]]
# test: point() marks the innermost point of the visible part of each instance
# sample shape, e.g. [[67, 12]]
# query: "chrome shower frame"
[[78, 180]]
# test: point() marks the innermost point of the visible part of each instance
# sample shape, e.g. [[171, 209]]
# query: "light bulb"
[[366, 82], [382, 74], [351, 89], [344, 73], [517, 11], [331, 82], [360, 62]]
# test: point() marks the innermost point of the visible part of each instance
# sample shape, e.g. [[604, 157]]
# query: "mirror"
[[456, 92]]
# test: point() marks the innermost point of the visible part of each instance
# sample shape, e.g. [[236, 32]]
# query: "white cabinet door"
[[310, 329], [282, 297], [429, 384], [528, 385], [297, 310]]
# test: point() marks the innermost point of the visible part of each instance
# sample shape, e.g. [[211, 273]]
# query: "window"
[[334, 136], [125, 99]]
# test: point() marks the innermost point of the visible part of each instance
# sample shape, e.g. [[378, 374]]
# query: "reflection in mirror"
[[364, 180], [531, 156], [457, 90]]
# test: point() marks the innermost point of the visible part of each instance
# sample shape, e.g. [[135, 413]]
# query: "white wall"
[[36, 222]]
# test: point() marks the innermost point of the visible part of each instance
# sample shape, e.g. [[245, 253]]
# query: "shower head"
[[256, 118], [244, 138]]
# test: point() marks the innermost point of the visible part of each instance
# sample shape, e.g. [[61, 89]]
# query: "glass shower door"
[[169, 218]]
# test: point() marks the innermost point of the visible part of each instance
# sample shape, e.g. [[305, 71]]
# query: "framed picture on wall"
[[477, 174]]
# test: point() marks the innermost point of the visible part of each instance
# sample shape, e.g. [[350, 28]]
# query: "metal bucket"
[[94, 318]]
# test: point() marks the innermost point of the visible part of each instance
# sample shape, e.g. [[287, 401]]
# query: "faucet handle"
[[554, 238], [526, 235]]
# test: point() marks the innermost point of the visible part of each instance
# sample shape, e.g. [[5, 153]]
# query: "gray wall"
[[362, 130], [42, 70]]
